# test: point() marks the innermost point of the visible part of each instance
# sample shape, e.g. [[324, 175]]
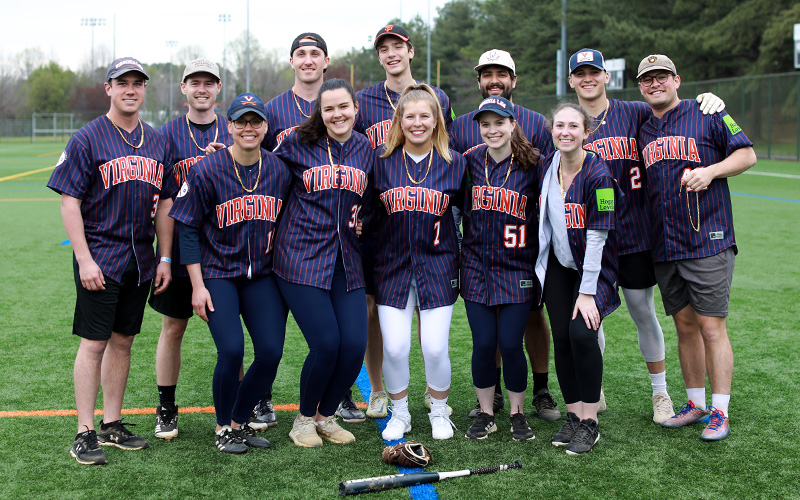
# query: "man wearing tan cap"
[[688, 156]]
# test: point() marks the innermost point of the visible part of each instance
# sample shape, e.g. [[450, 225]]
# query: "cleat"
[[117, 434], [689, 414], [567, 431], [397, 426], [662, 407], [481, 427], [428, 403], [249, 437], [304, 432], [718, 427], [497, 405], [586, 436], [520, 430], [378, 405], [441, 425], [263, 415], [348, 411], [86, 450], [229, 441], [333, 432], [546, 408], [167, 422]]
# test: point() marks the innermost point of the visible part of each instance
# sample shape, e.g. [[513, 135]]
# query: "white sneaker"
[[662, 407], [441, 425], [396, 427]]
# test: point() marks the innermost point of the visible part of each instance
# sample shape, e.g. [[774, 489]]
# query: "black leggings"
[[579, 362]]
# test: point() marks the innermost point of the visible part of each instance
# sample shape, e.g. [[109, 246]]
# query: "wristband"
[[166, 259]]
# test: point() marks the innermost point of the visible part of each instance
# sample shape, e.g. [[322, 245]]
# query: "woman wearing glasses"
[[317, 260], [227, 210], [417, 180]]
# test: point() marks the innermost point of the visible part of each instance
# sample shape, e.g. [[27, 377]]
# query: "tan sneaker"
[[428, 403], [662, 407], [601, 405], [378, 405], [304, 432], [333, 432]]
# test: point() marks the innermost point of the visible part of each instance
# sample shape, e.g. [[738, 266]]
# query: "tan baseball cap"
[[496, 57], [656, 61], [201, 66]]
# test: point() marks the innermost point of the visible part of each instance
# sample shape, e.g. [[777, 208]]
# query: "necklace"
[[236, 169], [508, 172], [141, 140], [386, 91], [561, 177], [216, 132], [689, 209], [334, 166], [297, 103], [602, 120], [430, 161]]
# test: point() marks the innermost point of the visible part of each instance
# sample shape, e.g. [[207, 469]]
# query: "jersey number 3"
[[515, 236]]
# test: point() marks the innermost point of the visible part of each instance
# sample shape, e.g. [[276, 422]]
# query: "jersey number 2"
[[516, 236], [636, 178]]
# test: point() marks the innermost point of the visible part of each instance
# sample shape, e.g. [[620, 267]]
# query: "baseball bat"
[[370, 484]]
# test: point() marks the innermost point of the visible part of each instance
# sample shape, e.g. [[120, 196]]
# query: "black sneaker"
[[249, 437], [117, 434], [263, 415], [564, 435], [546, 407], [474, 412], [520, 430], [85, 449], [498, 403], [348, 411], [585, 437], [229, 441], [167, 421], [481, 427]]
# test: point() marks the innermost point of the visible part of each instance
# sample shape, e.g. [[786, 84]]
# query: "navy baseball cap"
[[123, 65], [496, 104], [393, 30], [317, 42], [246, 103], [586, 57]]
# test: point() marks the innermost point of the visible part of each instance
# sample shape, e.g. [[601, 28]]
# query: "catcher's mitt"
[[408, 454]]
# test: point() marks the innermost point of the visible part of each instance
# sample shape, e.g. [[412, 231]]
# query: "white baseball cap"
[[496, 57]]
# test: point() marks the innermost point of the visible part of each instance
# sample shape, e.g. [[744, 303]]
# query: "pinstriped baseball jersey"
[[284, 114], [416, 232], [466, 133], [182, 155], [500, 244], [119, 187], [684, 138], [322, 210], [238, 226], [615, 142], [375, 112], [589, 204]]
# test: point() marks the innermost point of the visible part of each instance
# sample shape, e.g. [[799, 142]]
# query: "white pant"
[[434, 334]]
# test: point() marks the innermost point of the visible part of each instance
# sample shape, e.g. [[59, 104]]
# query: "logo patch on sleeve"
[[184, 190], [605, 199], [734, 129], [526, 283], [62, 159]]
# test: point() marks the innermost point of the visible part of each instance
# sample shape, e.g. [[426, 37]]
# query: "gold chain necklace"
[[297, 103], [486, 170], [330, 156], [561, 177], [602, 120], [430, 161], [689, 209], [236, 169], [141, 140], [386, 91], [216, 131]]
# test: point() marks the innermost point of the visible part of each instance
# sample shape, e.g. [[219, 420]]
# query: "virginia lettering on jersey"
[[282, 135], [181, 169], [377, 133], [248, 207], [340, 177], [576, 215], [415, 198], [615, 148], [670, 148], [499, 200], [132, 168]]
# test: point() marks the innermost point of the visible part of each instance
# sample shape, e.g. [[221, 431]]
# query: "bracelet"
[[166, 259]]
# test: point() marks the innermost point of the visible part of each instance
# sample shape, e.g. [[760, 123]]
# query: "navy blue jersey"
[[500, 244], [685, 139], [466, 133], [416, 233], [589, 204], [119, 187], [322, 210], [185, 147], [284, 114], [376, 105], [615, 141], [238, 225]]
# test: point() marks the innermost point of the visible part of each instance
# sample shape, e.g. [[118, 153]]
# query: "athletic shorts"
[[175, 301], [119, 308], [636, 271], [703, 283], [368, 245]]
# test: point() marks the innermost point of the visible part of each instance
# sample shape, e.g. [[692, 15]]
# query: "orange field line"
[[134, 411]]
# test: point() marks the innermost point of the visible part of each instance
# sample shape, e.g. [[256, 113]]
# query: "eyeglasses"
[[646, 81], [241, 123]]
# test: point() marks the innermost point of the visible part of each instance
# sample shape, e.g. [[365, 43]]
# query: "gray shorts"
[[703, 283]]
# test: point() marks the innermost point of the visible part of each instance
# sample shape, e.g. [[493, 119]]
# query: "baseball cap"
[[496, 57], [201, 66], [246, 103], [586, 57], [497, 104], [656, 61], [394, 30], [123, 65], [317, 42]]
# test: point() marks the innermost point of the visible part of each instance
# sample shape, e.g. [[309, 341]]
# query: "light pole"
[[93, 21], [428, 75], [247, 84], [171, 44], [224, 19]]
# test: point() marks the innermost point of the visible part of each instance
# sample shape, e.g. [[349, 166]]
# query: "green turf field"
[[633, 459]]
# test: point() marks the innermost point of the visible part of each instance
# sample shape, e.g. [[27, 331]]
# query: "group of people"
[[347, 210]]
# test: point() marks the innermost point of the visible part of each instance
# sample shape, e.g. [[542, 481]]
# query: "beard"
[[505, 93]]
